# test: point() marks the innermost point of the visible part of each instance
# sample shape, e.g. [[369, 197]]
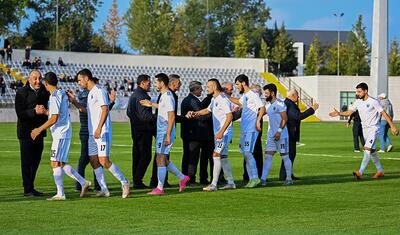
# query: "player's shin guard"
[[117, 173], [267, 166], [226, 166], [288, 166], [71, 172], [251, 165], [59, 180], [377, 162], [216, 170], [172, 168], [100, 178], [365, 161], [161, 174]]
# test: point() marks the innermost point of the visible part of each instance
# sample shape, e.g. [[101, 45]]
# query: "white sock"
[[226, 166], [251, 165], [267, 166], [117, 173], [377, 162], [365, 161], [161, 173], [71, 172], [59, 180], [216, 170], [288, 167], [100, 178], [172, 168]]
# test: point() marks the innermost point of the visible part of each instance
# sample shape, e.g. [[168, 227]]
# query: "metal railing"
[[303, 95]]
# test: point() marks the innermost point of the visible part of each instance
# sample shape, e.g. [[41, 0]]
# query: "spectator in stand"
[[27, 52], [2, 85], [60, 62], [3, 55], [48, 63], [9, 52], [26, 63], [62, 78]]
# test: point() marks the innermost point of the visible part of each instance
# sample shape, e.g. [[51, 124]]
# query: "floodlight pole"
[[57, 26], [338, 17]]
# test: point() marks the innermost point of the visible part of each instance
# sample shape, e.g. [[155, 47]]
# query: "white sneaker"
[[381, 151], [228, 186], [85, 188], [56, 198], [356, 151], [389, 148], [125, 189], [210, 188], [288, 183], [103, 193]]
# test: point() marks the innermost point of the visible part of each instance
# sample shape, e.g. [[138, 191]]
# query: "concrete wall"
[[139, 60], [326, 91]]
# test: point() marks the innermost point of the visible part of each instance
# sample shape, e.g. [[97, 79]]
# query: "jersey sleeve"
[[226, 108], [169, 104], [282, 107], [55, 103], [377, 106], [241, 100], [257, 102], [209, 108], [102, 97]]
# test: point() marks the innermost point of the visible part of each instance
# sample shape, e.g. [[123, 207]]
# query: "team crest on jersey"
[[216, 104], [91, 97], [367, 105], [274, 108]]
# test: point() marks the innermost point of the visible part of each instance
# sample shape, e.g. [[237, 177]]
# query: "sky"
[[296, 14]]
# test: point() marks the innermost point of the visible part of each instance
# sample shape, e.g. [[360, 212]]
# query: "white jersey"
[[58, 104], [165, 105], [274, 114], [250, 102], [220, 106], [369, 110], [97, 98]]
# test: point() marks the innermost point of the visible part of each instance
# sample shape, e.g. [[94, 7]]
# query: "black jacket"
[[26, 100], [194, 129], [142, 118], [294, 119]]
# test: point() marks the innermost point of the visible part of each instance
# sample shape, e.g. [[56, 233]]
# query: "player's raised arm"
[[148, 103], [235, 100], [336, 113]]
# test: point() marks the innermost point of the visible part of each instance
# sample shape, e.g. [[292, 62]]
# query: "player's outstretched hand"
[[35, 132], [189, 114], [335, 113], [146, 103], [395, 131]]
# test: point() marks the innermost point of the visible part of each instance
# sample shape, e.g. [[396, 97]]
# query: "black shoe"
[[140, 186], [167, 185], [204, 182], [37, 193], [29, 194], [295, 178]]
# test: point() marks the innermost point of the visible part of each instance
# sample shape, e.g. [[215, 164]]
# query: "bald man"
[[31, 108], [293, 125]]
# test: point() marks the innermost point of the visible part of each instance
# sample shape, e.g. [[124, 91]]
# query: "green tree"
[[283, 54], [331, 56], [180, 45], [358, 50], [265, 49], [240, 40], [11, 14], [313, 58], [112, 28], [150, 24], [394, 59]]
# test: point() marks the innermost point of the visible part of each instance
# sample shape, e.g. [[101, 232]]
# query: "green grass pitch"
[[326, 201]]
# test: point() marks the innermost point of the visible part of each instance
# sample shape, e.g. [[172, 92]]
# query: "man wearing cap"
[[384, 138]]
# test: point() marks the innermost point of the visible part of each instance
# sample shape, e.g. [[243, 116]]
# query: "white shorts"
[[221, 146], [100, 147], [160, 147], [59, 150], [370, 136], [281, 146], [248, 141]]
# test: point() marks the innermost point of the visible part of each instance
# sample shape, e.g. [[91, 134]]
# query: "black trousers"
[[358, 134], [84, 160], [185, 157], [258, 156], [292, 156], [31, 154], [141, 155], [203, 151]]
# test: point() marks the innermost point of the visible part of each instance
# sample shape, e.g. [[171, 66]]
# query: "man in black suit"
[[293, 124], [174, 85], [31, 108], [143, 128], [196, 134]]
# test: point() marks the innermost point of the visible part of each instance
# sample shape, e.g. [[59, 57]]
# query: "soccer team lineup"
[[222, 110]]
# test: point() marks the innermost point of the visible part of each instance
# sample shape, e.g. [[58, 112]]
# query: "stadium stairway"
[[284, 85]]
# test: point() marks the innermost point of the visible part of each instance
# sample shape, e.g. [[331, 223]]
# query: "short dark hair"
[[141, 78], [174, 76], [219, 87], [51, 78], [242, 78], [162, 77], [87, 73], [363, 86], [194, 85], [271, 87]]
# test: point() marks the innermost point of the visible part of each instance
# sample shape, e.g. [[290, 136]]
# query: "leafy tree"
[[180, 45], [112, 28], [265, 50], [240, 41], [283, 54], [358, 50], [331, 56], [394, 59], [11, 13], [313, 58]]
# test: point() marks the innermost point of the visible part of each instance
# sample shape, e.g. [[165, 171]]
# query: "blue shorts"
[[59, 150], [221, 146], [100, 147], [160, 147], [281, 145], [248, 141]]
